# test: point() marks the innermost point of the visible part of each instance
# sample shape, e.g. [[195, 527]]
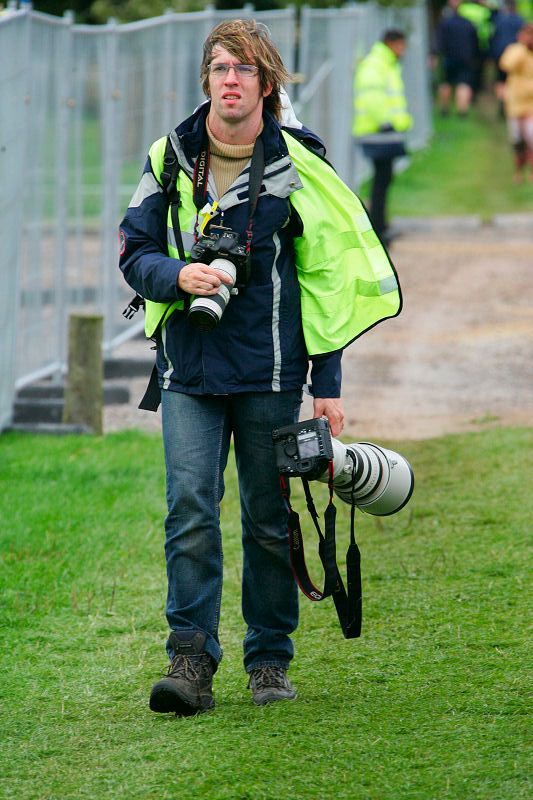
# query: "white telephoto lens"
[[371, 472], [395, 487], [384, 479], [227, 267], [206, 311], [353, 459]]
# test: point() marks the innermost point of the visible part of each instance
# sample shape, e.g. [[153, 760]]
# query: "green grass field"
[[466, 169], [429, 703]]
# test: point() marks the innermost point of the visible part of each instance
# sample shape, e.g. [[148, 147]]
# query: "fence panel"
[[330, 40], [14, 88], [79, 108]]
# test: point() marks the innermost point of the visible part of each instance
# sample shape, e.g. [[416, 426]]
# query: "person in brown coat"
[[517, 62]]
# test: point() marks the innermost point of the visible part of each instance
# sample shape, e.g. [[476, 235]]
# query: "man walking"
[[457, 45], [231, 172]]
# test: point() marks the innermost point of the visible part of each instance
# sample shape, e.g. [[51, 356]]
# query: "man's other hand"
[[201, 279], [332, 408]]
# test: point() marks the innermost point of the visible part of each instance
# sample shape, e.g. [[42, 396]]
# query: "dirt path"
[[458, 358]]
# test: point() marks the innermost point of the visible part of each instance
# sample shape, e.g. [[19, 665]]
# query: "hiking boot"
[[187, 687], [270, 683]]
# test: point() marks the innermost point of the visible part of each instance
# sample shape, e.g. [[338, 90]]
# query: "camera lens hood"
[[384, 480]]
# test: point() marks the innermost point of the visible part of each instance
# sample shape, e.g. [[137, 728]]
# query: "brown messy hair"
[[249, 41]]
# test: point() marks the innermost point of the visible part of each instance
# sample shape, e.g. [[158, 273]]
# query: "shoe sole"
[[270, 699], [164, 701]]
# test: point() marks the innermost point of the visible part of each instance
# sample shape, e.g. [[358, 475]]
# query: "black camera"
[[224, 243], [304, 449], [221, 249], [375, 479]]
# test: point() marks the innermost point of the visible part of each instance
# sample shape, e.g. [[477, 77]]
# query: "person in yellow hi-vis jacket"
[[381, 118], [240, 196]]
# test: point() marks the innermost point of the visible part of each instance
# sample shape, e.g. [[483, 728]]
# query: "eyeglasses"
[[242, 70]]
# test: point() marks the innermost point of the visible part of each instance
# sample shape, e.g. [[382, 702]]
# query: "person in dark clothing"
[[507, 23], [313, 276], [458, 49]]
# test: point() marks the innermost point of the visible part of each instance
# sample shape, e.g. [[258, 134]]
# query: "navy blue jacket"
[[457, 40], [258, 345], [506, 27]]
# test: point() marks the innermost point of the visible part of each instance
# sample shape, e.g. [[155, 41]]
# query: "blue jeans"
[[196, 438]]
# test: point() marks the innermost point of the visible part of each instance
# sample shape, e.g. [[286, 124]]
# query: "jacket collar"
[[191, 133], [280, 177]]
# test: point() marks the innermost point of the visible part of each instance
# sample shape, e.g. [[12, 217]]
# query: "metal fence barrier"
[[80, 106]]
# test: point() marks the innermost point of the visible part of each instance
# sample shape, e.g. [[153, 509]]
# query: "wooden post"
[[84, 384]]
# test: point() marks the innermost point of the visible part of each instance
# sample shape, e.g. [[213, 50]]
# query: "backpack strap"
[[169, 180]]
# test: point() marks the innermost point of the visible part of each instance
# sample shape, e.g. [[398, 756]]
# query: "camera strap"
[[255, 181], [348, 603], [201, 175], [326, 546]]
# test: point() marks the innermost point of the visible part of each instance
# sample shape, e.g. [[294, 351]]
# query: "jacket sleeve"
[[143, 243], [326, 375]]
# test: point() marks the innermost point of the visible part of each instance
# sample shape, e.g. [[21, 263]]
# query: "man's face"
[[398, 47], [234, 97]]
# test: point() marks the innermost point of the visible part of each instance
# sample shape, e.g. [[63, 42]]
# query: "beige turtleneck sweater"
[[227, 161]]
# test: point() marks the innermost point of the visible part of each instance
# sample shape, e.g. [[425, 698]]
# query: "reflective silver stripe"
[[146, 188], [276, 299], [367, 88], [187, 238], [375, 288], [387, 285], [362, 222], [168, 372], [381, 138]]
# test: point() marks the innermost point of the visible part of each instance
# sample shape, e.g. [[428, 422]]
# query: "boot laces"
[[188, 667], [269, 676]]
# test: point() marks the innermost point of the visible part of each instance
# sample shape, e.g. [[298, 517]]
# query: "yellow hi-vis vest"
[[347, 282], [379, 93], [481, 18]]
